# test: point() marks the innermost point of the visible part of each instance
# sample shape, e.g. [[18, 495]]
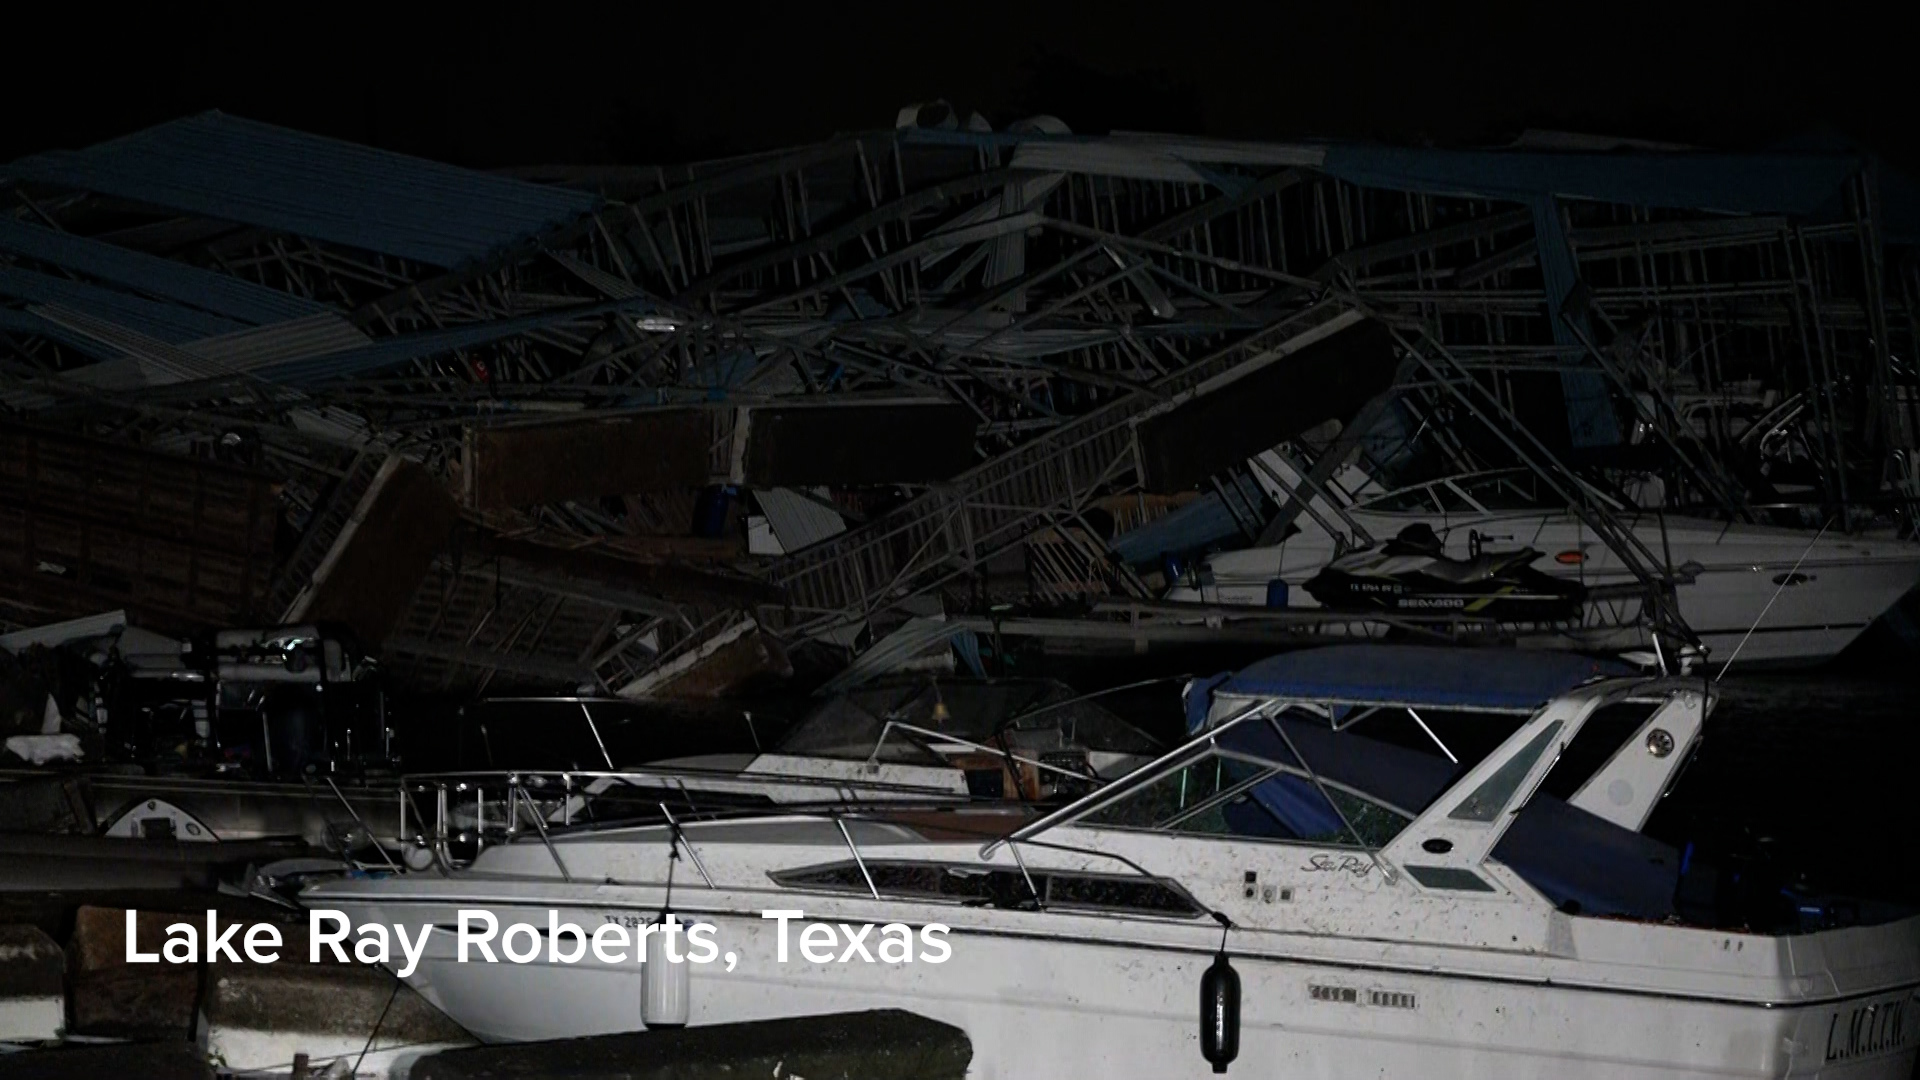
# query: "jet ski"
[[1412, 573]]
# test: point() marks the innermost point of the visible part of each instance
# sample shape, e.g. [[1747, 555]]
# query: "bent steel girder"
[[1041, 280]]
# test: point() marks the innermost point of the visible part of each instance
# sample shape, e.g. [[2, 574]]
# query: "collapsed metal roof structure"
[[979, 320]]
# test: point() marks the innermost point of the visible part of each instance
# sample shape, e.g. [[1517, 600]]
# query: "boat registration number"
[[1862, 1030]]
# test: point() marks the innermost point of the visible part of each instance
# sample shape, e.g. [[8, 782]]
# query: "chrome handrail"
[[874, 757], [678, 775], [543, 795]]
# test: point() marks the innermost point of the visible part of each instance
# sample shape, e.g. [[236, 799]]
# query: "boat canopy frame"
[[1470, 814]]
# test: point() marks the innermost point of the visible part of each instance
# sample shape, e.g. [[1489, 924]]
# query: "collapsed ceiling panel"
[[1224, 423]]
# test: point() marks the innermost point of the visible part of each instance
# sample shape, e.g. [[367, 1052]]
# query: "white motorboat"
[[908, 739], [1031, 740], [1792, 597], [1383, 911]]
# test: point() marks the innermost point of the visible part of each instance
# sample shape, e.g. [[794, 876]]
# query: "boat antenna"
[[673, 856], [1782, 582], [379, 1021]]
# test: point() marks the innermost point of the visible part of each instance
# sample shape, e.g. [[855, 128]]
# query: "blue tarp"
[[1206, 520], [1420, 675]]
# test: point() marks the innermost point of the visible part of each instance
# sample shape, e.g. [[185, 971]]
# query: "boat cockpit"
[[1431, 763]]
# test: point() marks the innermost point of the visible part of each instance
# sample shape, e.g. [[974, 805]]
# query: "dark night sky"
[[543, 83]]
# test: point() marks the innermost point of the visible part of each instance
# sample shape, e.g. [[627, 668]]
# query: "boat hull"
[[1065, 1007], [1792, 598]]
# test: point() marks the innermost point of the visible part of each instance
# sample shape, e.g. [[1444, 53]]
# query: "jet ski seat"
[[1420, 541]]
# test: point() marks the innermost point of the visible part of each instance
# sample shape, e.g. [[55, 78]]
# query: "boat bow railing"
[[447, 819]]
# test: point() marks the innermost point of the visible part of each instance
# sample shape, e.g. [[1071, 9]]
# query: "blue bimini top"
[[1507, 680]]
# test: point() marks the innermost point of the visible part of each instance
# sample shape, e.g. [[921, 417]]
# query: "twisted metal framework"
[[1058, 286]]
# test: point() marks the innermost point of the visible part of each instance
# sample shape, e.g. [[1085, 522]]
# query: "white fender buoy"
[[665, 990]]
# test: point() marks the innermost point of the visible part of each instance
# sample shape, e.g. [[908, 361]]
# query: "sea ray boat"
[[1383, 911], [1779, 596]]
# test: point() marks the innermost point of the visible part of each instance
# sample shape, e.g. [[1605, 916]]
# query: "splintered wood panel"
[[401, 523], [859, 443], [529, 464], [181, 543]]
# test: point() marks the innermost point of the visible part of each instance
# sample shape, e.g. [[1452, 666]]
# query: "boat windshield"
[[1503, 489], [1508, 489], [1249, 783]]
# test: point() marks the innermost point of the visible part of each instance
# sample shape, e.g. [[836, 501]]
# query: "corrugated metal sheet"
[[223, 167], [399, 350], [914, 640], [130, 360], [133, 360], [1134, 163], [26, 322], [295, 339], [1138, 156], [168, 322], [798, 521], [150, 274], [1226, 151], [138, 360], [334, 424], [52, 634], [614, 288]]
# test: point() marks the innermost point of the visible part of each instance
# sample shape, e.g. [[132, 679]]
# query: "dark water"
[[1824, 766]]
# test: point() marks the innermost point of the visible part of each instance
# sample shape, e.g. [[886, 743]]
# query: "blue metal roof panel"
[[223, 167], [1420, 675], [155, 276], [293, 339], [143, 360], [171, 323], [26, 322], [406, 347]]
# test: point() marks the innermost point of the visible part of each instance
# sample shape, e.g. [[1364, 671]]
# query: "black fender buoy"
[[1220, 1013]]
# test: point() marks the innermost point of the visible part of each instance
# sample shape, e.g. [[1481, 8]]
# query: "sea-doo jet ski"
[[1413, 573]]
